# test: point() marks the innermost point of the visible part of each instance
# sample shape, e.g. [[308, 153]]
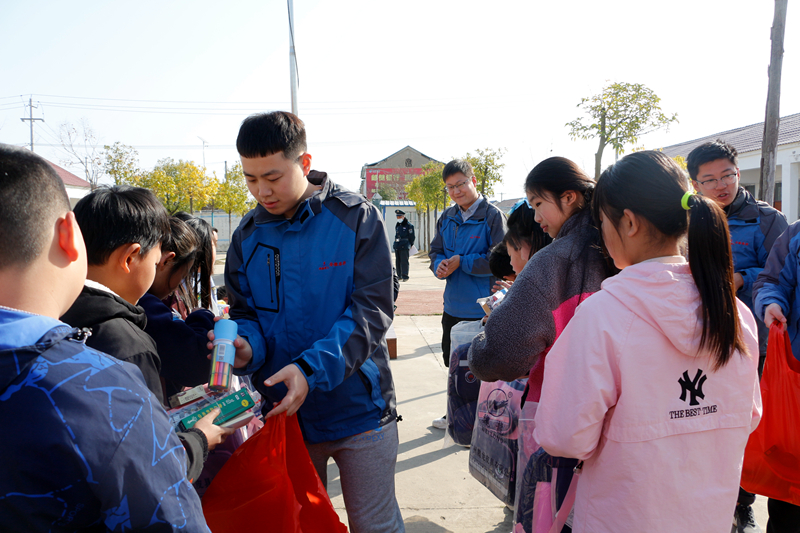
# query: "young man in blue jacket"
[[465, 234], [754, 227], [309, 277], [87, 446]]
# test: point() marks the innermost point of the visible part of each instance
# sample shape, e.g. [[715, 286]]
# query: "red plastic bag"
[[270, 484], [772, 457]]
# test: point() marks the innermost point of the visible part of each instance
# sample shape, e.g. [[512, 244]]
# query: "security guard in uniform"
[[403, 240]]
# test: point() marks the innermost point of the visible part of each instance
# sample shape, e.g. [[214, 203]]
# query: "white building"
[[747, 141]]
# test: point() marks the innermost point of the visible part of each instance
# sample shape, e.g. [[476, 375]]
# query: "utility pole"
[[772, 120], [292, 58], [31, 119]]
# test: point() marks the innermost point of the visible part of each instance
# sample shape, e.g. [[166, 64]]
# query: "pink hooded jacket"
[[625, 390]]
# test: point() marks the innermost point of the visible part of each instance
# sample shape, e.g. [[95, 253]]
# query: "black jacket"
[[404, 235], [118, 330], [182, 344]]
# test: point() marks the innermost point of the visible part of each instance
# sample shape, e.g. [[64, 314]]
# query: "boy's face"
[[718, 180], [277, 183]]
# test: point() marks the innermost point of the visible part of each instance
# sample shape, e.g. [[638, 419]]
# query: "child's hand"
[[501, 284], [774, 313], [244, 352], [214, 434], [297, 384]]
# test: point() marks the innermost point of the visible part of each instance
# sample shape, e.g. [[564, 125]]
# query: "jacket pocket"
[[263, 269]]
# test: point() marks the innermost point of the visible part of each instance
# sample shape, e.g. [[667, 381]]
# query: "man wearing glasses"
[[459, 252], [754, 226]]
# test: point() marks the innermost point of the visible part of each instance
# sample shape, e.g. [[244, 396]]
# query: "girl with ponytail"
[[654, 383]]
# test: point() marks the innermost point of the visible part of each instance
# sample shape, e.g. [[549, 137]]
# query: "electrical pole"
[[292, 58], [31, 119]]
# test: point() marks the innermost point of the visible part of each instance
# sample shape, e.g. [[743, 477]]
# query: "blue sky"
[[443, 76]]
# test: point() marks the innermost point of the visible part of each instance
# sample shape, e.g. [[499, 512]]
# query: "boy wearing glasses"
[[465, 233], [754, 227]]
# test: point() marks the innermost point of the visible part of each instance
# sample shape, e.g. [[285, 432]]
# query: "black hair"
[[500, 261], [198, 279], [182, 241], [114, 216], [651, 185], [455, 166], [708, 152], [222, 292], [264, 134], [523, 229], [33, 197], [557, 175]]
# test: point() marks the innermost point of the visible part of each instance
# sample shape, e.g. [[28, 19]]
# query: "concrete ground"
[[435, 491]]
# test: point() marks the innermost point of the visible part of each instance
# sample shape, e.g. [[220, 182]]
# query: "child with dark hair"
[[181, 343], [92, 449], [500, 263], [196, 290], [554, 281], [125, 228], [653, 384], [524, 236], [309, 277]]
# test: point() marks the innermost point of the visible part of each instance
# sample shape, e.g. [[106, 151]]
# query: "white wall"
[[787, 173]]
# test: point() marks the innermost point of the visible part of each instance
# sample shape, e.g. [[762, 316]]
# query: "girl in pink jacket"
[[654, 383]]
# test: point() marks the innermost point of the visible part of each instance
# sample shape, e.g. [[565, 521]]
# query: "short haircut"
[[111, 217], [455, 166], [264, 134], [32, 198], [500, 261], [708, 152], [523, 229]]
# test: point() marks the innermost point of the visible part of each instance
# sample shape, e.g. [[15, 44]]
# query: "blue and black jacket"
[[471, 240], [316, 291], [754, 227], [87, 446], [779, 283]]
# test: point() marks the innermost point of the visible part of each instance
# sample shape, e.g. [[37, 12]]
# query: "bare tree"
[[772, 121], [84, 151]]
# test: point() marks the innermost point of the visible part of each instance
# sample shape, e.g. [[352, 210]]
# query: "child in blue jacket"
[[92, 449]]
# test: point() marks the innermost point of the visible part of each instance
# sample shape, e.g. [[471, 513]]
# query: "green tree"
[[427, 192], [387, 193], [121, 162], [619, 115], [487, 166], [180, 185], [233, 197]]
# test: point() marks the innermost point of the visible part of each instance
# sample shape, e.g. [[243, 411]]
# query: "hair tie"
[[685, 200]]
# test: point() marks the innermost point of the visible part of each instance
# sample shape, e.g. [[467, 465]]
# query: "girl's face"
[[551, 214], [519, 256], [168, 278]]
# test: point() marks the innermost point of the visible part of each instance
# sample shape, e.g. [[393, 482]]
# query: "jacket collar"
[[744, 206], [480, 212], [575, 222]]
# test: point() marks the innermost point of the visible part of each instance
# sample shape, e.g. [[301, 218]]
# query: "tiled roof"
[[744, 139], [397, 152], [68, 177]]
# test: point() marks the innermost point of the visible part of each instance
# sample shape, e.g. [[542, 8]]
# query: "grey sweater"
[[540, 303]]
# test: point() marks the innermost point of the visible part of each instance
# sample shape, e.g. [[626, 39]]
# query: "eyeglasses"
[[450, 189], [727, 179]]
